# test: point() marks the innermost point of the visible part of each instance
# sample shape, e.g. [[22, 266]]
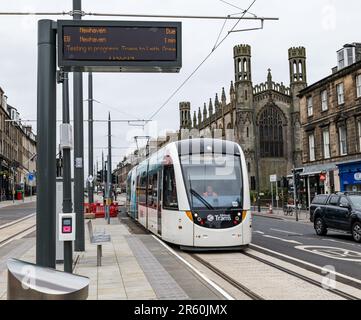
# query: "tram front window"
[[213, 181]]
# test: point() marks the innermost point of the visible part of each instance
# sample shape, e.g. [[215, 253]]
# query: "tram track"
[[300, 276], [17, 233], [248, 292]]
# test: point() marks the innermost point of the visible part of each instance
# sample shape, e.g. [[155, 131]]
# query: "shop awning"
[[317, 169]]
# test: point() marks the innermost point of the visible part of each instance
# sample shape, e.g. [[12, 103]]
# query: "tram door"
[[159, 201]]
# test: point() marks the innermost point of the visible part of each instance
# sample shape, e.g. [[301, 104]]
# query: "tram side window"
[[170, 199], [142, 189], [153, 190]]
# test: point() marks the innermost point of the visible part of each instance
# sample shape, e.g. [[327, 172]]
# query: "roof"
[[339, 74]]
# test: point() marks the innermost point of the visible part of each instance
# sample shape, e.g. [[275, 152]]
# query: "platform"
[[135, 266]]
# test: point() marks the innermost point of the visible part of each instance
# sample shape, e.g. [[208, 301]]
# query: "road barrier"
[[98, 209]]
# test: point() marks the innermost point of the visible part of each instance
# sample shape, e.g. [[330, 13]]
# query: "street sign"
[[119, 46], [273, 178], [30, 177], [79, 163]]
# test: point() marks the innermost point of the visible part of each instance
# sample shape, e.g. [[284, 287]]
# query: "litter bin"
[[27, 281], [19, 195]]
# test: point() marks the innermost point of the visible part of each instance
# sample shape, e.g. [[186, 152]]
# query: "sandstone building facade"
[[263, 118]]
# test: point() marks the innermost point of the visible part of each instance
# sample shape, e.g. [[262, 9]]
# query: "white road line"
[[342, 242], [210, 282], [260, 232], [288, 232], [306, 263], [281, 239], [3, 226]]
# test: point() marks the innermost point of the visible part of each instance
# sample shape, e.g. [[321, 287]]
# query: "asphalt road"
[[11, 213], [298, 240]]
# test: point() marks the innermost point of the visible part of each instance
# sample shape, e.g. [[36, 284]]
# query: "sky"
[[322, 26]]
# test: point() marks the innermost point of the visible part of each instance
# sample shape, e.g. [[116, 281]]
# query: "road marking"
[[288, 232], [306, 263], [342, 242], [281, 239], [333, 253], [260, 232], [210, 282], [3, 226]]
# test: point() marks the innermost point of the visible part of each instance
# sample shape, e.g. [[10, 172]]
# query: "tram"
[[194, 193]]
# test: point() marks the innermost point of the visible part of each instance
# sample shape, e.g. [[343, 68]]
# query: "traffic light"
[[99, 176], [114, 178]]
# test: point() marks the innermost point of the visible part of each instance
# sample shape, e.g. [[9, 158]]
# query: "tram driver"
[[210, 193]]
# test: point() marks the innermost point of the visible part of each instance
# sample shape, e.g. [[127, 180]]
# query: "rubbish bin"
[[27, 281], [19, 195]]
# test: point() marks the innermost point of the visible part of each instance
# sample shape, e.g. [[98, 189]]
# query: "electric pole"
[[78, 148], [90, 134]]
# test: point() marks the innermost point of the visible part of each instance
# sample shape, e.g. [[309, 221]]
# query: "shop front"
[[318, 179], [350, 176]]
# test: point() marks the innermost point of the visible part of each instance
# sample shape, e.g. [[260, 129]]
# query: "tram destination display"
[[119, 46]]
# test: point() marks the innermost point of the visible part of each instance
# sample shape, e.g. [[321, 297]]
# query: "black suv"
[[341, 211]]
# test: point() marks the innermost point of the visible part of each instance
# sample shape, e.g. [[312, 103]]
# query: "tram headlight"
[[237, 218]]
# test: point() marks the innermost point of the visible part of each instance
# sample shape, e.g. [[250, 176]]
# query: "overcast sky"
[[322, 26]]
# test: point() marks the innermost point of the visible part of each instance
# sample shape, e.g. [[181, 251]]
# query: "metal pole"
[[109, 172], [46, 146], [295, 192], [272, 193], [90, 134], [257, 160], [67, 201], [78, 149], [277, 194]]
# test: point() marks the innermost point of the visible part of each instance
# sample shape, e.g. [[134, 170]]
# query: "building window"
[[341, 59], [326, 143], [358, 85], [311, 147], [324, 100], [340, 93], [309, 106], [271, 133], [343, 140]]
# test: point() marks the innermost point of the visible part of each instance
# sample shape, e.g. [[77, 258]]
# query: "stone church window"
[[271, 133]]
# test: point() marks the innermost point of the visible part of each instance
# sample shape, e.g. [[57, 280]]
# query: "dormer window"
[[346, 56]]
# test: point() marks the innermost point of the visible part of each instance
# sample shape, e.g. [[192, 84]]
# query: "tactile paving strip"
[[165, 287]]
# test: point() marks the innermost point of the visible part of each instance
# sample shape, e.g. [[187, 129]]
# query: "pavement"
[[303, 216]]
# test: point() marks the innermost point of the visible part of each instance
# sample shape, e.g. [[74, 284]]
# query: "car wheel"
[[356, 231], [320, 227]]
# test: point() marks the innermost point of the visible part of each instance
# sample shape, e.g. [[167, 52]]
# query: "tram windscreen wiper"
[[200, 198]]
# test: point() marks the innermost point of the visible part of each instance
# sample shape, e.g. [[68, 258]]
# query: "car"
[[340, 212]]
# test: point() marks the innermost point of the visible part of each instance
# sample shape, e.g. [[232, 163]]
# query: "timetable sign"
[[119, 46]]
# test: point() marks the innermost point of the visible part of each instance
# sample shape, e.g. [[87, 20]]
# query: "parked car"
[[340, 212]]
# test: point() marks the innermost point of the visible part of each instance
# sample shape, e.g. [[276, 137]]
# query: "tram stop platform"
[[135, 266]]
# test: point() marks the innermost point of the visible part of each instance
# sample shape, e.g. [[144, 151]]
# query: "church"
[[263, 118]]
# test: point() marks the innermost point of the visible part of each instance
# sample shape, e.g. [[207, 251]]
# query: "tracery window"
[[271, 133]]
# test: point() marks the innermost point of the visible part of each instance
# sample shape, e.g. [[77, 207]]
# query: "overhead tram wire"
[[160, 16], [203, 61], [234, 6]]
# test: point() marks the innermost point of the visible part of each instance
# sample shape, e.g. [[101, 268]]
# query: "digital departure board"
[[119, 46]]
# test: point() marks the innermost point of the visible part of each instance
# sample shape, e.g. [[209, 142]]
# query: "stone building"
[[263, 118], [331, 128], [17, 151]]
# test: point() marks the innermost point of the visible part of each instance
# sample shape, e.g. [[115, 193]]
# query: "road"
[[12, 213], [298, 241]]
